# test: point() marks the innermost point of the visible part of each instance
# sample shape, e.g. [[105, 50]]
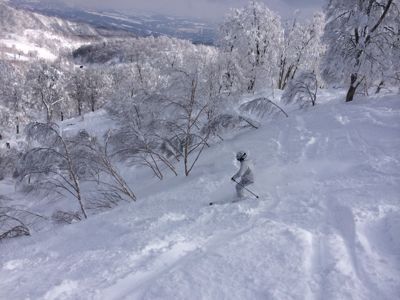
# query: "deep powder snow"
[[327, 225]]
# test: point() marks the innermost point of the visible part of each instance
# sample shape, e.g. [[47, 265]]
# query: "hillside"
[[25, 35], [327, 224]]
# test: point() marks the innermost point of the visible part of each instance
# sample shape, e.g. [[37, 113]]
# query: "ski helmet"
[[241, 155]]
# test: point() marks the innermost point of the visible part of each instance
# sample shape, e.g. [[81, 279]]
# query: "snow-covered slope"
[[327, 225], [25, 35]]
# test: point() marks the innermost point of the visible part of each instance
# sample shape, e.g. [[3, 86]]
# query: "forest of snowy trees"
[[170, 99]]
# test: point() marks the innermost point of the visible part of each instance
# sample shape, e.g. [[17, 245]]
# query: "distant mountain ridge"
[[25, 35], [196, 31], [14, 20]]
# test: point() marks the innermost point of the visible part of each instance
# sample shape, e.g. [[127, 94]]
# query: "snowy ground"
[[327, 225], [36, 43]]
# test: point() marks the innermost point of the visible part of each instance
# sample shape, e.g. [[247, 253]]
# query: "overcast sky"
[[206, 9]]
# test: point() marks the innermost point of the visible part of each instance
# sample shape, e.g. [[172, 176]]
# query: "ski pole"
[[246, 188]]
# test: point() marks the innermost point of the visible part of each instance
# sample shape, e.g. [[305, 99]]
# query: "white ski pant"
[[240, 187]]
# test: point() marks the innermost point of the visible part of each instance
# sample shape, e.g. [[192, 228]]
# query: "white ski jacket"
[[245, 172]]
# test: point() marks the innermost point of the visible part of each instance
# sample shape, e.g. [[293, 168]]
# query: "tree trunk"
[[49, 115], [350, 93], [79, 197], [281, 73], [79, 106], [92, 103], [378, 89], [250, 87], [75, 181], [352, 89], [185, 158]]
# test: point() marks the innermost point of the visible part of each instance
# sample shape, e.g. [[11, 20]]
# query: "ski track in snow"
[[327, 225]]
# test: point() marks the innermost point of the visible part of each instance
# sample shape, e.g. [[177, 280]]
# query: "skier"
[[245, 174]]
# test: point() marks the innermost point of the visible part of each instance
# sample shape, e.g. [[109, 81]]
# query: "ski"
[[229, 202]]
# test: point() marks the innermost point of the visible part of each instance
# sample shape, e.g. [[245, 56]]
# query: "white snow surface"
[[26, 47], [34, 41], [327, 225]]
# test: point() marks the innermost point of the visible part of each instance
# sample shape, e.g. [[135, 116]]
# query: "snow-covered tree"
[[77, 91], [88, 88], [164, 101], [65, 164], [251, 37], [138, 139], [9, 160], [359, 36], [55, 164], [194, 101], [46, 83], [392, 76], [97, 83], [13, 112], [302, 48], [14, 220], [99, 169], [136, 103], [302, 90], [187, 110]]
